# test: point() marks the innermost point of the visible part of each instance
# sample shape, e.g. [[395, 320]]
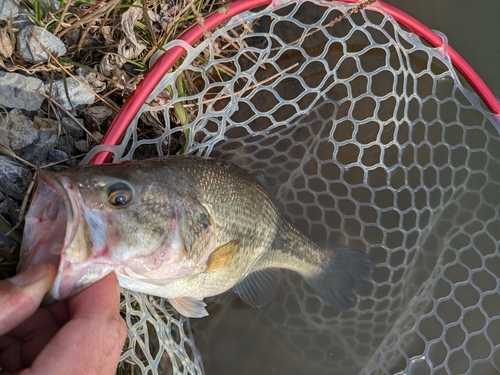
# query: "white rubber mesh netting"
[[369, 139]]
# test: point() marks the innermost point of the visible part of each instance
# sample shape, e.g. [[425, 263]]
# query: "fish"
[[179, 227]]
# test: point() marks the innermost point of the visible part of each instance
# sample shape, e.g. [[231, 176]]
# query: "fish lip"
[[59, 188], [52, 226], [51, 196]]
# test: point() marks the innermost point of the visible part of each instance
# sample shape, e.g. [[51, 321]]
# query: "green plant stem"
[[7, 228]]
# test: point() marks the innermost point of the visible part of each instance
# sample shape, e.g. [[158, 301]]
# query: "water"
[[382, 187], [471, 27], [359, 159]]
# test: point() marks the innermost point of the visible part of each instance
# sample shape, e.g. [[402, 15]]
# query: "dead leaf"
[[129, 47], [151, 118], [5, 43], [124, 82], [163, 18], [109, 63], [107, 33], [96, 82], [162, 98], [121, 79]]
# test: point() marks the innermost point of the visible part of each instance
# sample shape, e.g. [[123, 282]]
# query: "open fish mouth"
[[56, 231], [50, 219]]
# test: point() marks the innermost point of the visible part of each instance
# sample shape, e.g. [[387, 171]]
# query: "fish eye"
[[119, 194]]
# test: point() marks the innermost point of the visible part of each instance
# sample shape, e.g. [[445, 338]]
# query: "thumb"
[[21, 295]]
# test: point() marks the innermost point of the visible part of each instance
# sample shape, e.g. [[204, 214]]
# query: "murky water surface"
[[363, 167]]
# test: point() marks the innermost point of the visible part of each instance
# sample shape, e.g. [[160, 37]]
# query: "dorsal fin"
[[262, 179]]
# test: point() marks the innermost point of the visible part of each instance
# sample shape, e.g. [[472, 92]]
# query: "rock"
[[52, 4], [64, 142], [47, 138], [97, 114], [98, 136], [17, 131], [72, 128], [33, 153], [9, 209], [57, 168], [6, 243], [56, 156], [18, 91], [8, 9], [82, 73], [14, 178], [47, 111], [2, 196], [21, 21], [46, 124], [82, 145], [74, 37], [77, 93], [37, 152], [31, 50]]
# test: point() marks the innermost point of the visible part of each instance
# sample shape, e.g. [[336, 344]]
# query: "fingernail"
[[31, 275]]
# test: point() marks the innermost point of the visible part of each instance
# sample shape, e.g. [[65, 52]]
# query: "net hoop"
[[166, 61]]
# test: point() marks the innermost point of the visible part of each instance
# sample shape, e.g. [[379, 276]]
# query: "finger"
[[91, 342], [20, 347], [21, 295]]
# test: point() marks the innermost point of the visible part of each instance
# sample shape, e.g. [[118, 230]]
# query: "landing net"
[[370, 138]]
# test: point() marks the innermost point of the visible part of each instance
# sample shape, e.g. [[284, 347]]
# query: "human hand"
[[81, 335]]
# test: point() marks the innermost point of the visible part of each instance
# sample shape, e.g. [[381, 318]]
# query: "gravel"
[[9, 209], [8, 9], [14, 178], [46, 124], [18, 91], [17, 130], [55, 156], [76, 92], [72, 128], [82, 145], [31, 49], [38, 152], [97, 114]]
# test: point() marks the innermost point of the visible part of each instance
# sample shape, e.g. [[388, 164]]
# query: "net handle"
[[165, 62]]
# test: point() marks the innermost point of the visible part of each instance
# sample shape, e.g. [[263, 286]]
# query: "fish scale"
[[183, 228]]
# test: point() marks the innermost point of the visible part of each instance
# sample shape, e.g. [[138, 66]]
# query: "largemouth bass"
[[179, 227]]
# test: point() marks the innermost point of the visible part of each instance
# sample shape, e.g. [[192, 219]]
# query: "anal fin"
[[259, 287], [189, 307]]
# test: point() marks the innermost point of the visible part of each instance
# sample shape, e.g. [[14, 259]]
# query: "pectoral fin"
[[259, 287], [223, 256], [189, 307]]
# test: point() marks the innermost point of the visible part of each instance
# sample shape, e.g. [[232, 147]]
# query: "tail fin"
[[339, 278]]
